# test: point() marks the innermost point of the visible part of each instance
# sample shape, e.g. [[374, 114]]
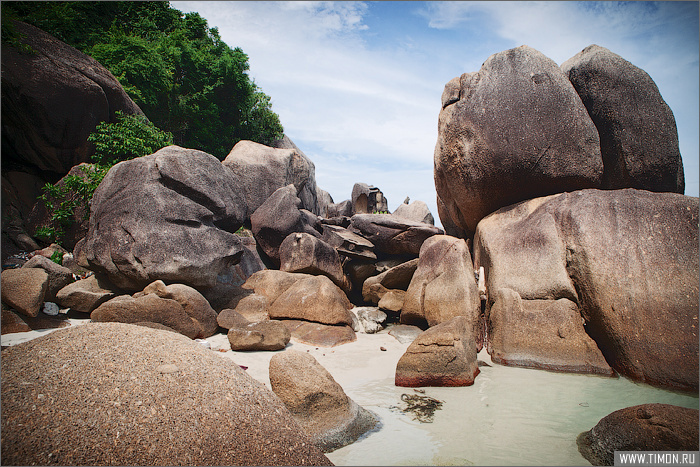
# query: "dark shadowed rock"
[[59, 276], [265, 335], [443, 286], [86, 294], [444, 355], [52, 100], [11, 322], [317, 402], [514, 130], [393, 235], [544, 334], [315, 299], [126, 384], [24, 289], [646, 427], [261, 170], [129, 310], [279, 216], [638, 136], [322, 335], [301, 252], [171, 216], [628, 258], [347, 243]]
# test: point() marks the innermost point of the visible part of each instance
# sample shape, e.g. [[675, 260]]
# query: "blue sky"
[[357, 85]]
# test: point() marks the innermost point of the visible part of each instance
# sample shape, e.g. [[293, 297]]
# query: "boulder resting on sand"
[[646, 427], [317, 401], [444, 355], [139, 396]]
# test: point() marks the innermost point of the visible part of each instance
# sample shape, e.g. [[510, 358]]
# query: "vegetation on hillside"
[[184, 77]]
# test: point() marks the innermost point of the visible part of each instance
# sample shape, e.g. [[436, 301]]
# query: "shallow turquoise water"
[[510, 416]]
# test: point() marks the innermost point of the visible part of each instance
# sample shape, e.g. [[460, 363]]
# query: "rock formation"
[[627, 258], [516, 124]]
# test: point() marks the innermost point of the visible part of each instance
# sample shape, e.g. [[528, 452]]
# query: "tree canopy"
[[178, 70]]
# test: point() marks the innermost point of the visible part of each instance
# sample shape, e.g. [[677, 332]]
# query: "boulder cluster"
[[568, 246]]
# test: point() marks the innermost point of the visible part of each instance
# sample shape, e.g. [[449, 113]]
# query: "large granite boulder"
[[265, 335], [24, 289], [280, 215], [444, 355], [443, 286], [122, 386], [317, 402], [52, 100], [638, 135], [646, 427], [514, 130], [543, 334], [261, 170], [320, 335], [171, 216], [393, 235], [629, 260]]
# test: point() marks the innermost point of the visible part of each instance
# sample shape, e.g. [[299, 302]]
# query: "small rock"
[[204, 343], [383, 349], [50, 309]]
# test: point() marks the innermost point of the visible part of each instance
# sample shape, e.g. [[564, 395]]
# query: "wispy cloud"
[[357, 84]]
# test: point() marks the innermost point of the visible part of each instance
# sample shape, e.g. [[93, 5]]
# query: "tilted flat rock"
[[514, 130], [126, 384], [416, 211], [301, 252], [398, 278], [646, 427], [629, 260], [317, 401], [171, 216], [638, 135], [393, 235]]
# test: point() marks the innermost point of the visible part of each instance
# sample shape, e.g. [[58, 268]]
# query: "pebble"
[[383, 349], [50, 309], [204, 343]]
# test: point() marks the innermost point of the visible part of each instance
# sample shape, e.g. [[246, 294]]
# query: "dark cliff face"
[[53, 97]]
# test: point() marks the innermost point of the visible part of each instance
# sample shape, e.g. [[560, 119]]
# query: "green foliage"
[[130, 136], [177, 69], [62, 199], [57, 257]]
